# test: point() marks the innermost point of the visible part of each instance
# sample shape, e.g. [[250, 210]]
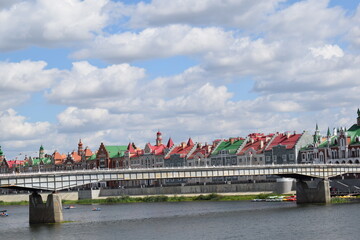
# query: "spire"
[[317, 134], [170, 143], [1, 152], [190, 142], [358, 112], [130, 148], [328, 132], [158, 138], [80, 148]]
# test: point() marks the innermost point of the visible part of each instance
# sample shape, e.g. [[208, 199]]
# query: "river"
[[191, 220]]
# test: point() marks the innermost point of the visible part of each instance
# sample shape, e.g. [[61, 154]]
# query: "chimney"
[[287, 135], [231, 140], [261, 144]]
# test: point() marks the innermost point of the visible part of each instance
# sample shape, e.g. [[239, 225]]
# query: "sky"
[[119, 71]]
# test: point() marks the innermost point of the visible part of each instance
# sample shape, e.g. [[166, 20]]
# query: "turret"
[[158, 138], [358, 118], [1, 154], [41, 152], [80, 148], [316, 136]]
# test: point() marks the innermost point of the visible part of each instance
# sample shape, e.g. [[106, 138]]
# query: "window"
[[291, 157], [284, 157]]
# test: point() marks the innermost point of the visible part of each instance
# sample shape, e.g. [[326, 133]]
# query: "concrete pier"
[[316, 191], [49, 212]]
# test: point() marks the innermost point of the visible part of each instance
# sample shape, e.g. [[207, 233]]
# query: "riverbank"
[[180, 198], [165, 198]]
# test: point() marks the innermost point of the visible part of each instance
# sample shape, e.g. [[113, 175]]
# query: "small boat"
[[4, 214], [258, 200], [96, 209], [70, 207]]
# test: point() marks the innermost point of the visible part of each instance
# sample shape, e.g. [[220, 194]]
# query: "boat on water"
[[3, 213], [70, 207], [96, 209], [276, 199]]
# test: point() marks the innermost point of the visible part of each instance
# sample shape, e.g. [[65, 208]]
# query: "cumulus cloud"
[[46, 23], [327, 51], [310, 20], [85, 83], [25, 76], [244, 13], [14, 126], [20, 79], [156, 42]]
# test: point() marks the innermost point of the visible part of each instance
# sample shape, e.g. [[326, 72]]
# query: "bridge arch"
[[350, 162], [357, 161]]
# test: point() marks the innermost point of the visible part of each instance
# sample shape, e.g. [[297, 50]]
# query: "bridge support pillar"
[[317, 191], [49, 212]]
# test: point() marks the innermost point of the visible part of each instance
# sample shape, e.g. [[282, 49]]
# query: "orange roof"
[[76, 156]]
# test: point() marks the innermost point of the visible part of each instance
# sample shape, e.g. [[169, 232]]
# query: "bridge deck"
[[55, 181]]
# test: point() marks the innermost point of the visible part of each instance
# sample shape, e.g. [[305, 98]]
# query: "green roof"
[[116, 151], [36, 161], [226, 145], [353, 132], [1, 152], [92, 157]]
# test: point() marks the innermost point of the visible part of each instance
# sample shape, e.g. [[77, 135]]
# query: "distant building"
[[342, 146], [284, 148]]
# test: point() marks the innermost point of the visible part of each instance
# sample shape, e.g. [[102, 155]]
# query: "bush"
[[212, 196], [155, 199]]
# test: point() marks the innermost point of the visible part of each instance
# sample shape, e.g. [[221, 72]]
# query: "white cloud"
[[239, 13], [20, 79], [25, 76], [309, 20], [45, 23], [328, 51], [85, 83], [156, 43], [14, 126]]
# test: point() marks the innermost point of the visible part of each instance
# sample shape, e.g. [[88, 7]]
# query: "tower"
[[1, 154], [80, 148], [358, 118], [317, 136], [158, 138], [41, 152]]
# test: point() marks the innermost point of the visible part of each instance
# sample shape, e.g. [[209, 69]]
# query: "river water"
[[191, 220]]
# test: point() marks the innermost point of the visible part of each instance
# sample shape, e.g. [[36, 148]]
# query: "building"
[[253, 152], [225, 151], [284, 148], [177, 156], [342, 146]]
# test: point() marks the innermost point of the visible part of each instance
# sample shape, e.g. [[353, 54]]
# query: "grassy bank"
[[158, 198], [161, 198]]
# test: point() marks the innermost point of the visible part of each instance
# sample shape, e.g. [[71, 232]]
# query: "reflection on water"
[[192, 220]]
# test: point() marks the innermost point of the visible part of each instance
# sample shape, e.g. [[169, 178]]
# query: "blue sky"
[[119, 71]]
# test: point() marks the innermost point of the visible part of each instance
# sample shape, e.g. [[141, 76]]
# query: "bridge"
[[307, 191]]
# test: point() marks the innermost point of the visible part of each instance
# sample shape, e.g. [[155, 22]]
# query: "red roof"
[[288, 140], [170, 143], [201, 150], [257, 142], [183, 149], [190, 142], [12, 163]]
